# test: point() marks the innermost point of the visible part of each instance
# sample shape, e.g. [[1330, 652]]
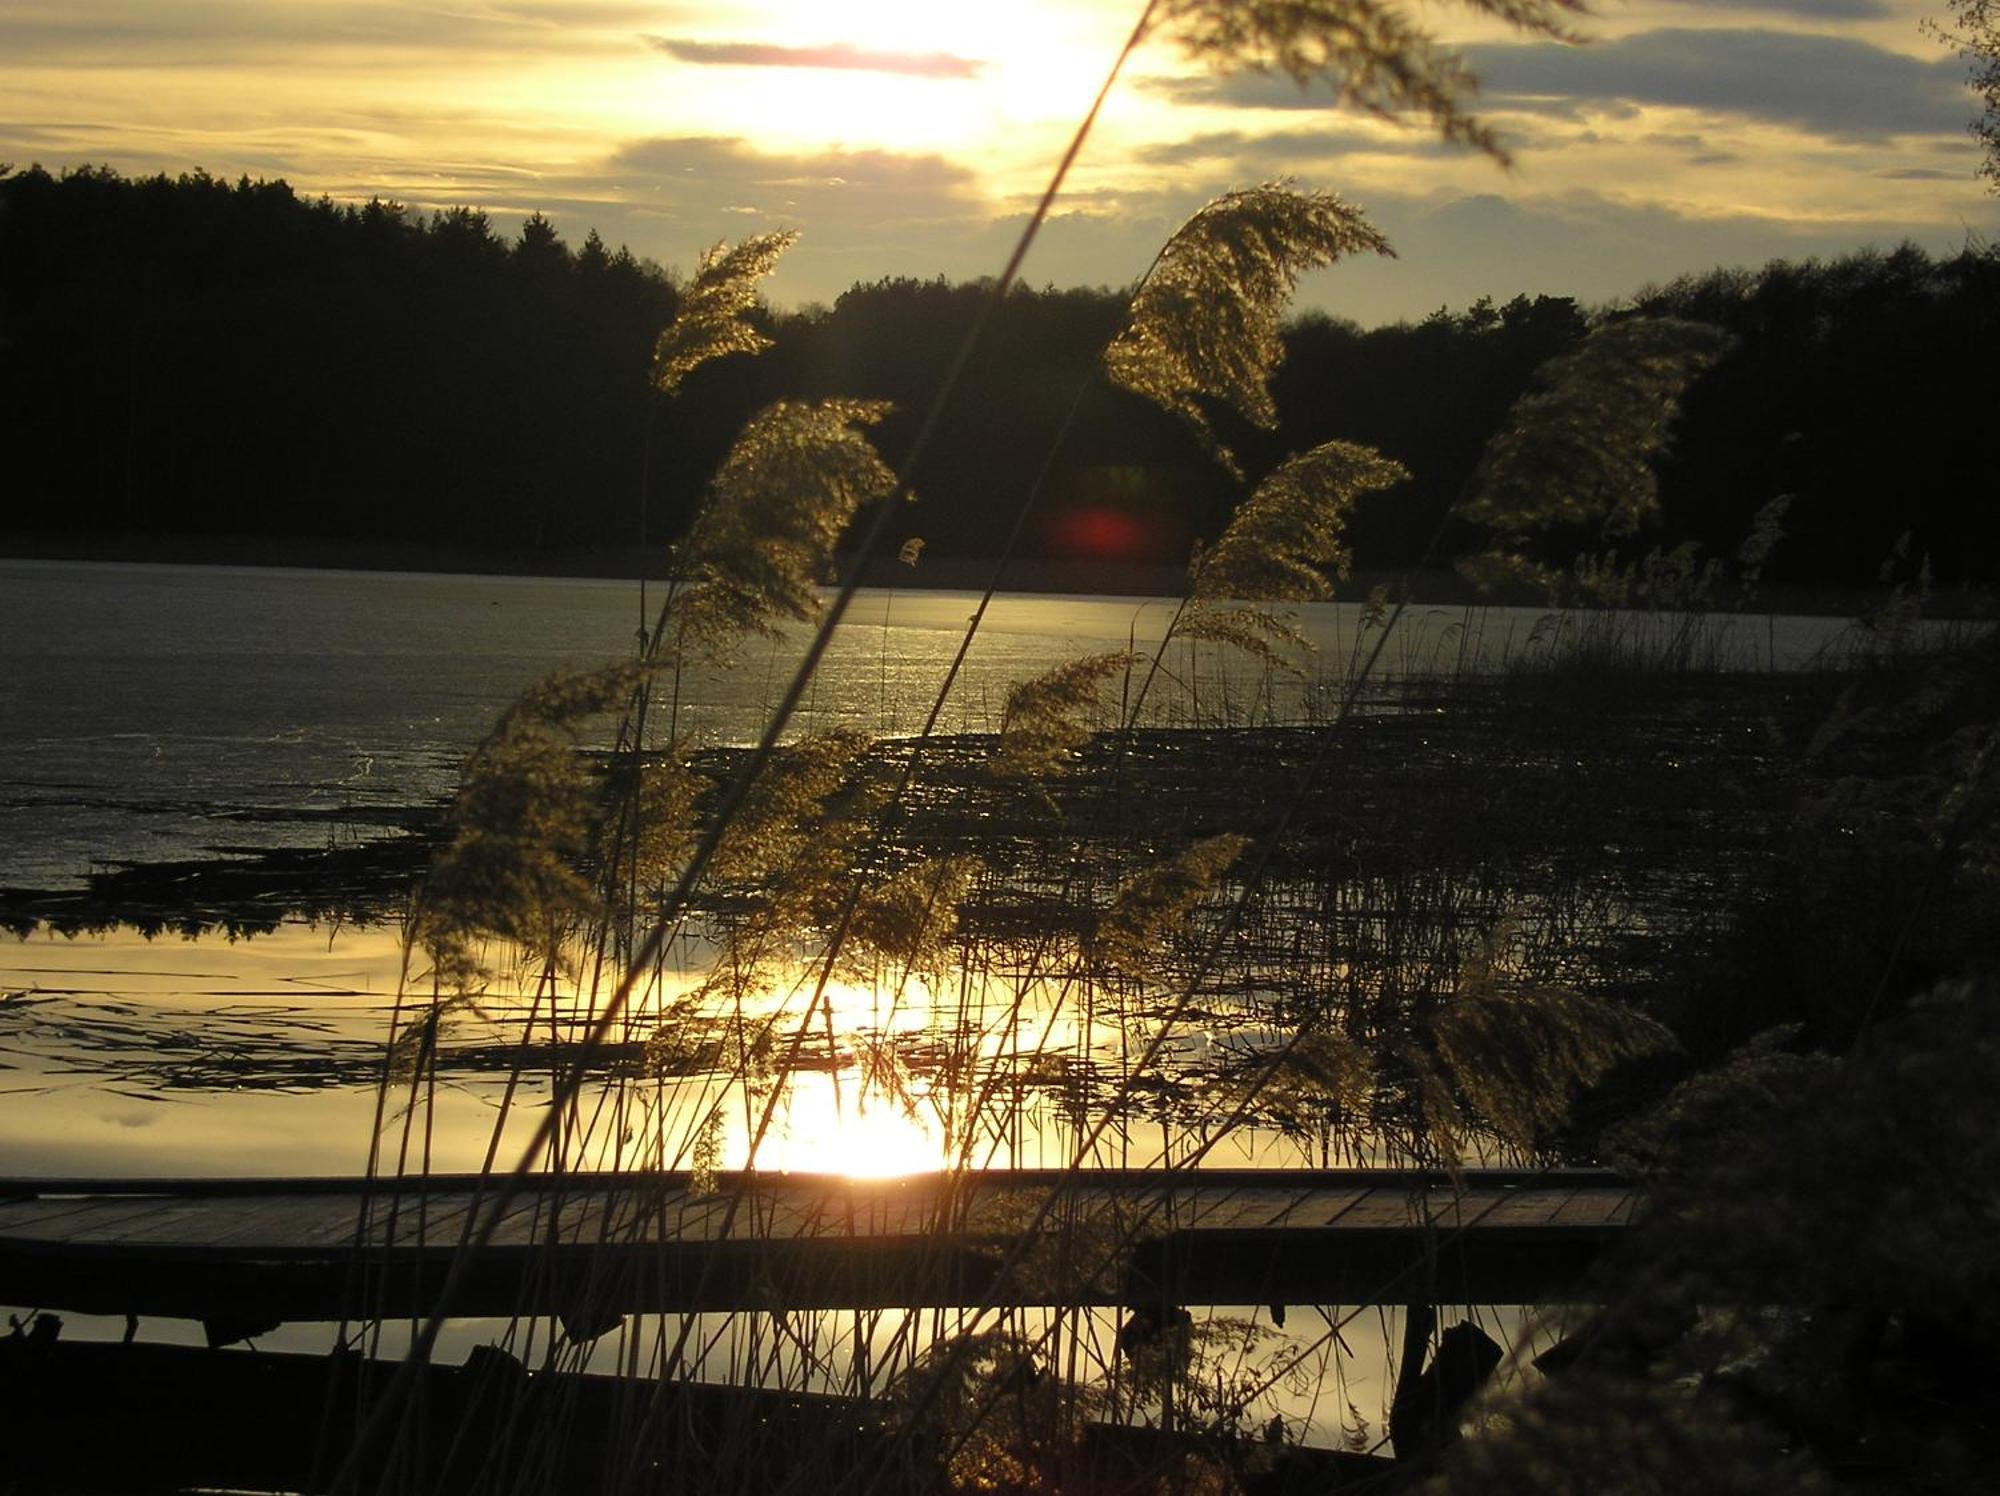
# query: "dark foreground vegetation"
[[242, 1422], [175, 348]]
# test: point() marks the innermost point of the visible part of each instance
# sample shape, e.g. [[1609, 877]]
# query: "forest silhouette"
[[190, 357]]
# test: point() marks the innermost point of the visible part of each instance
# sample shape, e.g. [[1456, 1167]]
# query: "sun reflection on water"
[[210, 1057], [826, 1128]]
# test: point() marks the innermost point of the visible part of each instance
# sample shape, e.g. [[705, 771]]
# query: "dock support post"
[[1419, 1322]]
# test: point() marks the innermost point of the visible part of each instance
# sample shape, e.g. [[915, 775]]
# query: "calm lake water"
[[165, 712], [151, 713]]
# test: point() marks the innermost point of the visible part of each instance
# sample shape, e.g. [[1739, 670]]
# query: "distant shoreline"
[[1438, 587], [932, 573]]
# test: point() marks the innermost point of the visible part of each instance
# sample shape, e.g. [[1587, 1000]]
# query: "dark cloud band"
[[1834, 86], [1289, 146], [1816, 10], [204, 33], [838, 56], [848, 187]]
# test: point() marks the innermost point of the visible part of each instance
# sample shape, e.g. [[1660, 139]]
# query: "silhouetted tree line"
[[195, 357], [190, 356]]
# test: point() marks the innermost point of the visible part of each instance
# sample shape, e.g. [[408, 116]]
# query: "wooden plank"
[[584, 1216], [84, 1220], [31, 1212], [1378, 1210], [1491, 1211], [650, 1243], [167, 1221]]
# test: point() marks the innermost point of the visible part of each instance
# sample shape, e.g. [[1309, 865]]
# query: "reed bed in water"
[[1602, 837], [1519, 832], [1479, 839], [1472, 844]]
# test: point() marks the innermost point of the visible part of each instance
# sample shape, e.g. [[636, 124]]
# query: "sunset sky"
[[909, 137]]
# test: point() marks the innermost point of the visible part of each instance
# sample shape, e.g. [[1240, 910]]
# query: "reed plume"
[[787, 866], [909, 919], [789, 813], [1321, 1073], [1514, 1057], [1372, 53], [1280, 546], [1286, 538], [709, 321], [1044, 719], [983, 1409], [765, 536], [525, 813], [663, 817], [1578, 449], [1204, 324], [1131, 934]]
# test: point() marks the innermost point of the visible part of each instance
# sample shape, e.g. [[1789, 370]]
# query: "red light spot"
[[1109, 534]]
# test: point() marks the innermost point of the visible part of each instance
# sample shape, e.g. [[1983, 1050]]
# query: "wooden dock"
[[591, 1247]]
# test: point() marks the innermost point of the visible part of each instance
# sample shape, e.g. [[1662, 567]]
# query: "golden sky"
[[910, 136]]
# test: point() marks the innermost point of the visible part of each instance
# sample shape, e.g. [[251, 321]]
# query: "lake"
[[159, 713], [152, 713]]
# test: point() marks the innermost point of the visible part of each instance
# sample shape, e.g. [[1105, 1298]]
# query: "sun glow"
[[824, 1128], [891, 75]]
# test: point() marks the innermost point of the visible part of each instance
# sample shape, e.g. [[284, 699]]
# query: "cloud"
[[18, 134], [1813, 10], [1833, 86], [1291, 146], [1455, 249], [835, 55], [202, 33], [1239, 91], [865, 213], [869, 186], [1673, 140], [1338, 143]]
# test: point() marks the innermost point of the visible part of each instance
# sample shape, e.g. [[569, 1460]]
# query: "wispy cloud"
[[1836, 86], [1815, 10], [873, 197], [839, 56], [1456, 246], [1839, 87], [203, 33], [1582, 244], [1291, 146]]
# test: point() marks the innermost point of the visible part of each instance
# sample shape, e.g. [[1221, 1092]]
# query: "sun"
[[816, 1131], [891, 75]]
